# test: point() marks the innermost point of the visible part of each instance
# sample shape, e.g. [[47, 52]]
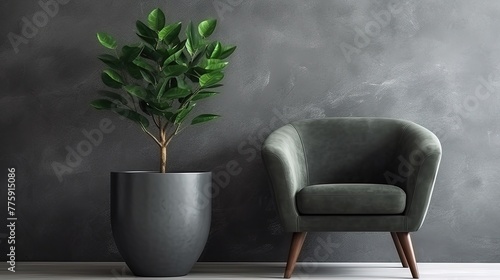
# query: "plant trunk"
[[163, 159]]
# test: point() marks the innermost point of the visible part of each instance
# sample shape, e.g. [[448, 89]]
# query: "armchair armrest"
[[283, 156], [417, 166]]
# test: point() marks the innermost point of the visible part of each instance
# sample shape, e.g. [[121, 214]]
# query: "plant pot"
[[160, 221]]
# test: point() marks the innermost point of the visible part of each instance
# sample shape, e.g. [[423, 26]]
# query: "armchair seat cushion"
[[351, 199]]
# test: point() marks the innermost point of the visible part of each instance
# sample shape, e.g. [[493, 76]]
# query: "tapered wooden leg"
[[297, 242], [401, 253], [405, 240]]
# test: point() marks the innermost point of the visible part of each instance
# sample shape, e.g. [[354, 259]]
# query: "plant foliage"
[[158, 81]]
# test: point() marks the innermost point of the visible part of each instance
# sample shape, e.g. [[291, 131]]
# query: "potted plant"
[[161, 220]]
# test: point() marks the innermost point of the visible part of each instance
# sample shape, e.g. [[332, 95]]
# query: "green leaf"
[[182, 114], [159, 108], [143, 64], [149, 53], [181, 83], [227, 51], [132, 115], [155, 111], [193, 39], [137, 91], [150, 41], [197, 58], [133, 70], [129, 53], [106, 40], [156, 19], [161, 90], [172, 57], [163, 53], [148, 77], [145, 31], [214, 64], [113, 96], [203, 94], [218, 66], [217, 51], [114, 75], [183, 59], [210, 79], [178, 46], [174, 70], [194, 79], [152, 108], [204, 118], [197, 71], [170, 32], [111, 61], [210, 49], [169, 116], [207, 27], [101, 104], [110, 82], [189, 47], [175, 93], [144, 107], [214, 86]]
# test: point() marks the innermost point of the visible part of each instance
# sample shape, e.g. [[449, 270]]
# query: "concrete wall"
[[433, 62]]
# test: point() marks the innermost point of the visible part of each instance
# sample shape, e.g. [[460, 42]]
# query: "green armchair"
[[352, 174]]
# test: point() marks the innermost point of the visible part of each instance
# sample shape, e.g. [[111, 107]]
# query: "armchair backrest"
[[350, 150]]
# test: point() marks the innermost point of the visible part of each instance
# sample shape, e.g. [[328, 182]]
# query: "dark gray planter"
[[160, 221]]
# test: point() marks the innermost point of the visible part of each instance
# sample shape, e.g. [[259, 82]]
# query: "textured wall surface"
[[432, 62]]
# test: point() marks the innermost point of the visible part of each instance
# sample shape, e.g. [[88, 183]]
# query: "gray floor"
[[317, 271]]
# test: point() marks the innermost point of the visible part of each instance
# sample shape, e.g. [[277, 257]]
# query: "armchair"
[[352, 174]]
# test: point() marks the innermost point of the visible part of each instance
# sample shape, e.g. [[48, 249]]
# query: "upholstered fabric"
[[352, 151], [351, 199], [286, 166]]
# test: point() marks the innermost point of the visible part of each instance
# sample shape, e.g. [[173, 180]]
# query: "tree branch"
[[167, 124], [151, 135], [181, 130], [172, 135], [154, 120]]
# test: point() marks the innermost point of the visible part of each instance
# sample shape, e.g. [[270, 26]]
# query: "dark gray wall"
[[295, 60]]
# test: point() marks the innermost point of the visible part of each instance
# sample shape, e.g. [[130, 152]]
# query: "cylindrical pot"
[[160, 221]]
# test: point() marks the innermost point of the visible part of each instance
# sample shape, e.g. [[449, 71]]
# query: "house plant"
[[161, 220]]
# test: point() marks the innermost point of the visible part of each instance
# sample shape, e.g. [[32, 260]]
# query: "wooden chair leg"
[[401, 253], [405, 240], [297, 242]]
